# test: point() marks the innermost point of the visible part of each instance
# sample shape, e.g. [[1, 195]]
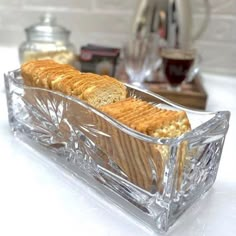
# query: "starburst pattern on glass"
[[160, 178]]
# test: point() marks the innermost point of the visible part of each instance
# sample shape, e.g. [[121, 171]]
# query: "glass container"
[[47, 39], [153, 179]]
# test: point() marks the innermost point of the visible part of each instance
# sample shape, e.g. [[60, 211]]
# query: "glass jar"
[[47, 40]]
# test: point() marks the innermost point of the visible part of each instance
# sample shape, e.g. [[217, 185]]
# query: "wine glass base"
[[174, 88], [136, 83]]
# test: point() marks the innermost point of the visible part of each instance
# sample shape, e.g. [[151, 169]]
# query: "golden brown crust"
[[108, 94], [148, 119], [64, 78], [132, 155]]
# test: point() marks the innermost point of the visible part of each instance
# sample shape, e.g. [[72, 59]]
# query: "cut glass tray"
[[158, 178]]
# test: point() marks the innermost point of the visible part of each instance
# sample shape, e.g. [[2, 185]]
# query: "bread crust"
[[64, 78], [131, 154], [148, 119]]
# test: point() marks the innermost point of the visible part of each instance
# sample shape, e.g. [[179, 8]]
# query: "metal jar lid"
[[47, 30]]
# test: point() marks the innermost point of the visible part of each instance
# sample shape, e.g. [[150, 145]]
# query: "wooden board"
[[192, 95]]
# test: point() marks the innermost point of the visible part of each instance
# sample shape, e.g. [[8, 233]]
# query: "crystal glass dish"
[[154, 179]]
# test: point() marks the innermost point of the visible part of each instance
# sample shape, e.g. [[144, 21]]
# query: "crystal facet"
[[159, 178]]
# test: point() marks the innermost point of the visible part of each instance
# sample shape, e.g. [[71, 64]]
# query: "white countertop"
[[37, 198]]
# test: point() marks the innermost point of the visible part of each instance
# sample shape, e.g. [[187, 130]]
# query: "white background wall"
[[108, 22]]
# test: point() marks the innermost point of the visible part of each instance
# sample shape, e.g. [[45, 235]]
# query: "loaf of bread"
[[94, 89], [137, 159], [153, 121]]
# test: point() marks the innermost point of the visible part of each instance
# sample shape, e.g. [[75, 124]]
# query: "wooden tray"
[[192, 94]]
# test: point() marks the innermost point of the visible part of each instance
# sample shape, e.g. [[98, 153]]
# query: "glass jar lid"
[[47, 30]]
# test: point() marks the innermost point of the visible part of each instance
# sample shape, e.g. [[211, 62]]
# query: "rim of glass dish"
[[200, 130]]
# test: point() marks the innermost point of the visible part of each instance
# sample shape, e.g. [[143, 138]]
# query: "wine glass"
[[141, 57], [179, 65]]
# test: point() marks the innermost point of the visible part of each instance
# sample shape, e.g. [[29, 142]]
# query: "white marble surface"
[[37, 198]]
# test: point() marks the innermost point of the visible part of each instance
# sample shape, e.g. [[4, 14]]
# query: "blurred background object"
[[177, 65], [141, 57], [171, 19], [107, 23], [98, 59], [47, 40]]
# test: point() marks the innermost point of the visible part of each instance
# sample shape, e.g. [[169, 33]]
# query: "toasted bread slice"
[[41, 77], [28, 68], [172, 125], [85, 82], [55, 78], [149, 119], [104, 94], [65, 85], [120, 108], [64, 78]]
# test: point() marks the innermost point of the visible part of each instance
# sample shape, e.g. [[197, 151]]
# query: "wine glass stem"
[[136, 79]]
